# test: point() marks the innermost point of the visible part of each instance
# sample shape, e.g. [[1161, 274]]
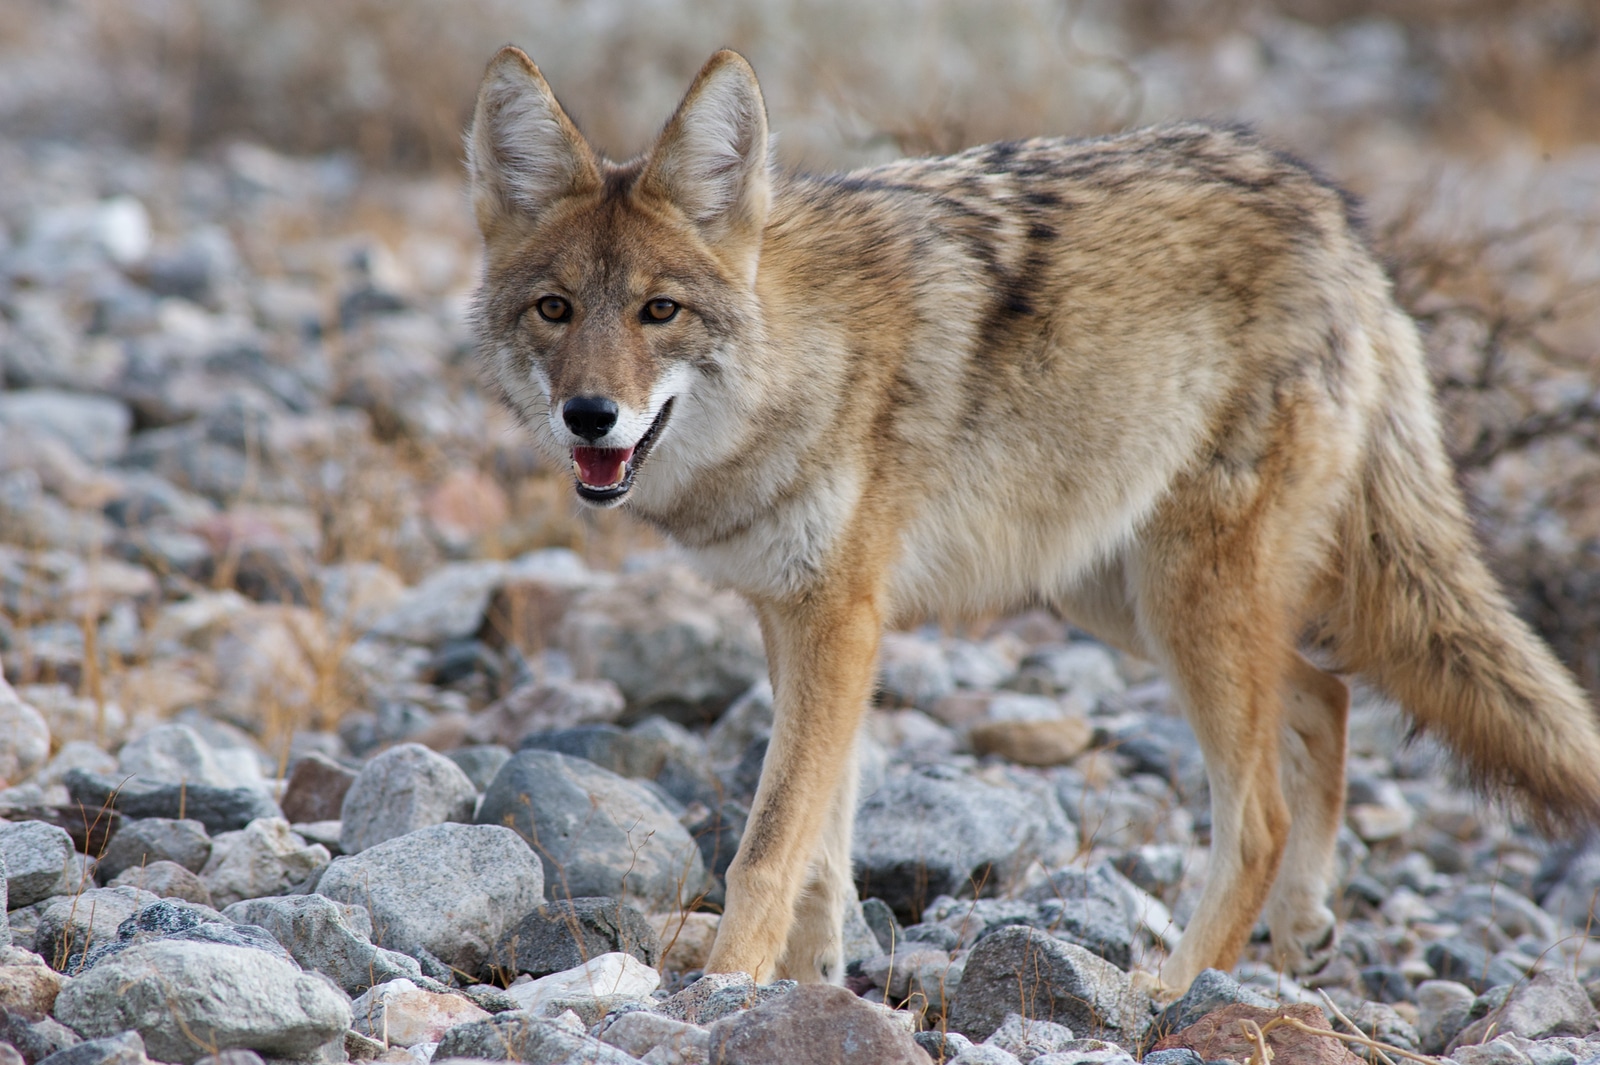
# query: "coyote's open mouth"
[[605, 474]]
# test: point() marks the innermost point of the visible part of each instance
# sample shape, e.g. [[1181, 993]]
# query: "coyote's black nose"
[[590, 417]]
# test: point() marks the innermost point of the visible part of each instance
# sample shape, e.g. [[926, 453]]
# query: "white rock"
[[402, 1014], [609, 974], [174, 754]]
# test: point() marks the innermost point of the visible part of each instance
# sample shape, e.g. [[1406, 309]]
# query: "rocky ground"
[[314, 748]]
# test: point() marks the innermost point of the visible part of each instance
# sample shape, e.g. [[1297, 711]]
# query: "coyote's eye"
[[553, 309], [659, 309]]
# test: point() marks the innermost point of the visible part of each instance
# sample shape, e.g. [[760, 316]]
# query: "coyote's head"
[[614, 294]]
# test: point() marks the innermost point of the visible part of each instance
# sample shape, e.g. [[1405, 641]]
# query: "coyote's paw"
[[1310, 946], [1152, 985]]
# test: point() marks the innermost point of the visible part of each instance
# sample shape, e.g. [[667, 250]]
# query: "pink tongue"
[[601, 467]]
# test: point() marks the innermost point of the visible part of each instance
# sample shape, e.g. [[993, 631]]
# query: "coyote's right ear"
[[523, 152]]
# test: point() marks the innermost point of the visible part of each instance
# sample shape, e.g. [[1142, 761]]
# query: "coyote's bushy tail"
[[1420, 615]]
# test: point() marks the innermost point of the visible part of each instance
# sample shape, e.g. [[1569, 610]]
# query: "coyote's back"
[[1157, 380]]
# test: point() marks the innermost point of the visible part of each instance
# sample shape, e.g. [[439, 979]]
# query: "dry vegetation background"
[[1470, 127]]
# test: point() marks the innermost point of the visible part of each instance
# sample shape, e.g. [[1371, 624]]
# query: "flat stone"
[[596, 833], [1219, 1034], [814, 1024], [1468, 963], [95, 427], [155, 839], [37, 859], [403, 789], [531, 1040], [564, 934], [218, 809], [1042, 743], [1028, 972], [316, 789], [1028, 1038], [188, 999], [332, 938], [607, 976], [402, 1014], [173, 754], [451, 890]]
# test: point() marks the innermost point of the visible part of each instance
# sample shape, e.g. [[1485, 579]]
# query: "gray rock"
[[1470, 964], [124, 1049], [938, 832], [450, 890], [1092, 908], [534, 1040], [1444, 1007], [1064, 983], [448, 604], [564, 934], [401, 790], [943, 1046], [173, 754], [24, 737], [155, 839], [913, 671], [984, 1054], [1211, 990], [71, 926], [1175, 1056], [673, 646], [38, 861], [480, 762], [187, 999], [1029, 1038], [1550, 1004], [165, 880], [596, 833], [718, 995], [35, 1038], [172, 919], [95, 427], [814, 1024], [639, 1032], [332, 938], [264, 858], [218, 809]]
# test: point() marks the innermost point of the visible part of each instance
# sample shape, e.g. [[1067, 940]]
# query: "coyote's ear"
[[710, 161], [523, 152]]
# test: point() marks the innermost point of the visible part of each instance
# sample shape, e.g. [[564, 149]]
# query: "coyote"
[[1156, 381]]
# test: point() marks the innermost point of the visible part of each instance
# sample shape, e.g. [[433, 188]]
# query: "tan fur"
[[1156, 380]]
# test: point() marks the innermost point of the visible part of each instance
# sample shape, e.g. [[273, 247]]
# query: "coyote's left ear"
[[710, 161]]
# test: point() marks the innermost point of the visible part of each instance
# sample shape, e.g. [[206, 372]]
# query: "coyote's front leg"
[[822, 650]]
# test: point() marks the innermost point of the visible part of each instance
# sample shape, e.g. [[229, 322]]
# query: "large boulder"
[[596, 833], [450, 890]]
